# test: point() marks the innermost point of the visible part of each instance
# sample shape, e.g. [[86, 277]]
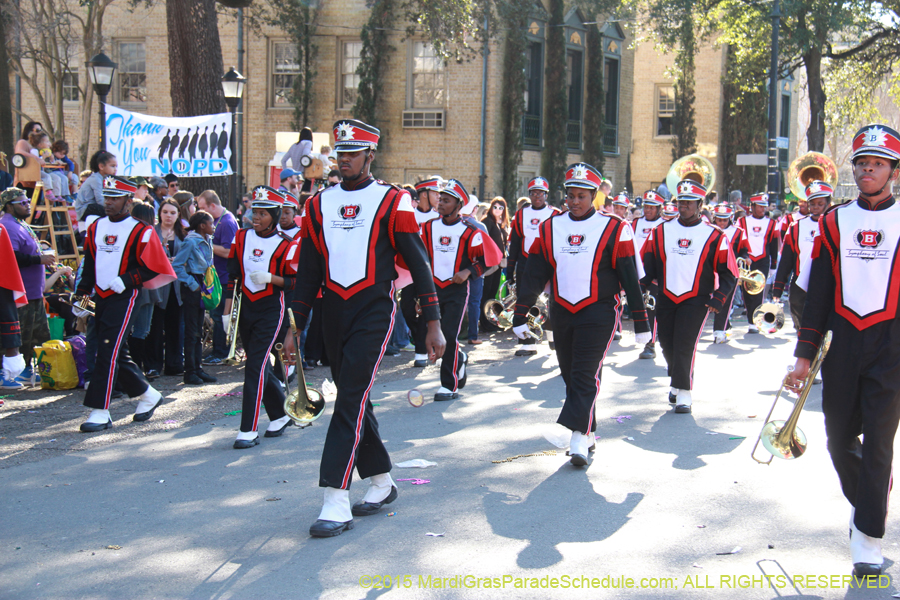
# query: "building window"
[[784, 130], [611, 86], [349, 80], [665, 110], [428, 78], [132, 89], [285, 69], [534, 73], [70, 92], [575, 85]]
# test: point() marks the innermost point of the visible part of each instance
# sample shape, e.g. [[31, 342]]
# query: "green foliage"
[[683, 126], [594, 122], [373, 60], [514, 20], [746, 104], [298, 19], [553, 158], [452, 25]]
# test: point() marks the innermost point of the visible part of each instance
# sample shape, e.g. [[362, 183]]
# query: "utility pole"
[[773, 182]]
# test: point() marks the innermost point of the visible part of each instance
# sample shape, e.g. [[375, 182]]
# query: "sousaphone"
[[812, 166], [693, 167]]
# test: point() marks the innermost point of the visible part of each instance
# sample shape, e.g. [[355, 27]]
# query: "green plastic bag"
[[212, 289]]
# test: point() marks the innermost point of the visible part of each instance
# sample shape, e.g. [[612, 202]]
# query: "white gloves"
[[80, 312], [226, 322], [260, 277], [13, 366], [117, 285], [522, 332], [642, 339]]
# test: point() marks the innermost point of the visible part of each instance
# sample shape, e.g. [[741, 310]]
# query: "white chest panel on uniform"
[[257, 256], [869, 245], [642, 231], [292, 233], [729, 233], [756, 234], [445, 248], [348, 220], [111, 239], [424, 217], [807, 230], [683, 250], [531, 223], [575, 247]]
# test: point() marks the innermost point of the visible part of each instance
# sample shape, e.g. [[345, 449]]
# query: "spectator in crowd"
[[143, 306], [60, 149], [159, 190], [31, 261], [24, 147], [303, 147], [521, 203], [58, 286], [226, 227], [187, 206], [288, 181], [103, 164], [735, 198], [663, 190], [190, 264], [245, 212], [712, 198], [143, 194], [334, 178], [82, 177], [172, 184], [166, 340], [325, 157], [53, 179], [497, 223]]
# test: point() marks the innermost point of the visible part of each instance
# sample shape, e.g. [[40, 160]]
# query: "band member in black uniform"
[[853, 288], [457, 250], [670, 211], [287, 223], [723, 216], [263, 261], [121, 255], [428, 193], [12, 297], [684, 256], [798, 246], [652, 218], [763, 238], [352, 234], [525, 229], [589, 258]]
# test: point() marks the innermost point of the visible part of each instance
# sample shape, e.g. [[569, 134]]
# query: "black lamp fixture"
[[101, 70], [233, 86]]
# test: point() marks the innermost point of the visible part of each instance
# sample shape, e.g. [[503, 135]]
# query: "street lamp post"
[[773, 183], [233, 86], [101, 70]]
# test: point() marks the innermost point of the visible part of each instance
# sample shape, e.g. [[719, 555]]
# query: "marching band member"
[[457, 251], [620, 205], [121, 255], [798, 246], [589, 258], [352, 234], [263, 261], [670, 211], [684, 256], [652, 204], [724, 220], [762, 236], [287, 223], [853, 290], [526, 229], [428, 193]]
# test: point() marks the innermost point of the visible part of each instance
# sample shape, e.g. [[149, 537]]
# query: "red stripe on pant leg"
[[261, 381], [345, 482], [612, 336], [696, 342], [456, 339], [115, 353]]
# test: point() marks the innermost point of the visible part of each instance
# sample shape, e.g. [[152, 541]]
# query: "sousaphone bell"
[[812, 166], [693, 167]]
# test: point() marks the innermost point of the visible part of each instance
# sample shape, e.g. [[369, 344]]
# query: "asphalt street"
[[671, 506]]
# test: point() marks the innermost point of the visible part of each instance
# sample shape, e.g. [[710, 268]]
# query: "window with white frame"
[[132, 73], [428, 77], [70, 92], [349, 80], [665, 109], [285, 69]]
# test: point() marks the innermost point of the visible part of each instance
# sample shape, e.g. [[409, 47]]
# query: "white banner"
[[156, 146]]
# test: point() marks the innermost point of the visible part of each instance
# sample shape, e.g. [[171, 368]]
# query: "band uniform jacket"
[[457, 247], [737, 239], [685, 260], [642, 228], [586, 261], [525, 229], [276, 254], [796, 251], [762, 235]]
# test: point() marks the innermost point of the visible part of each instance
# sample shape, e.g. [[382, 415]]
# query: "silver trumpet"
[[649, 300]]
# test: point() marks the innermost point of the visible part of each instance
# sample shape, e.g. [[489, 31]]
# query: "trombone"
[[753, 282], [305, 404], [783, 438], [500, 312], [232, 359]]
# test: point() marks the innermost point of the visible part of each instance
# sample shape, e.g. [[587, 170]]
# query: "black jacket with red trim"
[[378, 221], [607, 241], [739, 246]]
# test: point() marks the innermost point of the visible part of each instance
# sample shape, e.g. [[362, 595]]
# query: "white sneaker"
[[719, 337]]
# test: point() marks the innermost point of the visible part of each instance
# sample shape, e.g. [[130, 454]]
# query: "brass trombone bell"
[[812, 166], [769, 317], [754, 282], [693, 167]]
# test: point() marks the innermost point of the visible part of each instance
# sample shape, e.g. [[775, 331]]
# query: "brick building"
[[430, 111]]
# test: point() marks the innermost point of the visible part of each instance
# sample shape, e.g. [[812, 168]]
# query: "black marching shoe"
[[364, 509], [649, 352], [439, 397], [323, 529], [523, 352], [206, 376], [152, 374], [865, 570], [92, 427], [683, 409], [174, 372], [420, 363], [192, 379], [145, 416], [672, 398], [244, 444], [465, 370], [278, 432]]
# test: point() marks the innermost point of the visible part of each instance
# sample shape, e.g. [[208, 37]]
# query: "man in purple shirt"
[[32, 317], [226, 228]]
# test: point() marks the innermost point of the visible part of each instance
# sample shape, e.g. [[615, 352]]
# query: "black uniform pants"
[[193, 311], [164, 342], [797, 300], [582, 340], [113, 367], [722, 320], [680, 327], [453, 301], [356, 336], [754, 301], [417, 327], [260, 328], [651, 314], [314, 348], [861, 395]]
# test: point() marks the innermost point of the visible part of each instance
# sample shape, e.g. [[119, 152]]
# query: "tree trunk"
[[556, 113], [7, 135], [195, 64], [815, 134]]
